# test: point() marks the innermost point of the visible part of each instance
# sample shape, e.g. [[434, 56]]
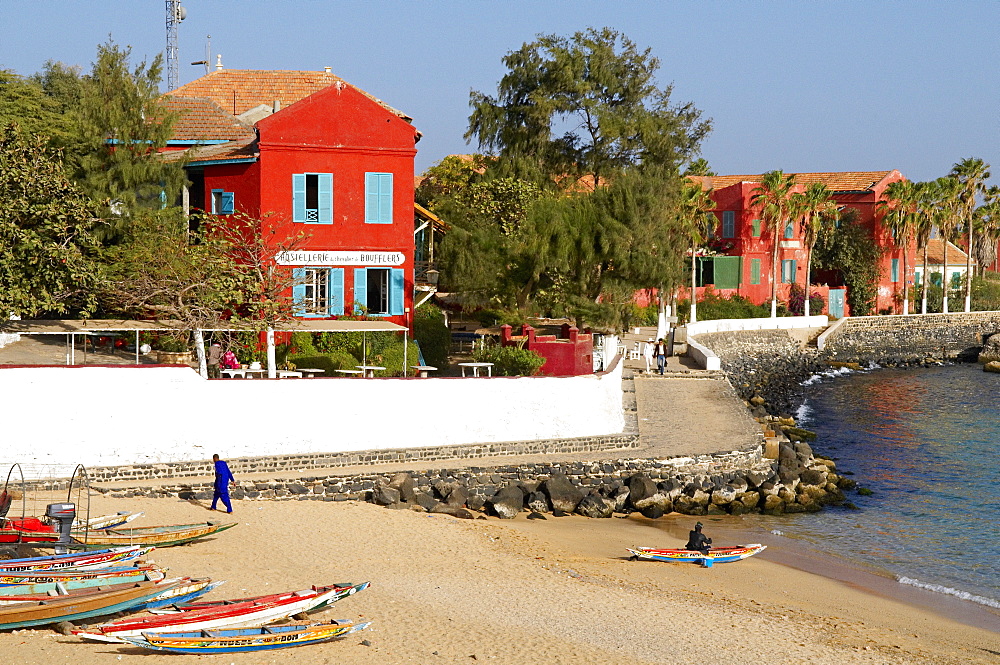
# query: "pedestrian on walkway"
[[214, 361], [661, 355], [223, 477], [647, 353]]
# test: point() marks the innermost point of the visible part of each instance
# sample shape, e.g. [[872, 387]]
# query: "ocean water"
[[926, 442]]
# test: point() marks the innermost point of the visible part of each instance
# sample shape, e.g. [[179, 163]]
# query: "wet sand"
[[527, 591]]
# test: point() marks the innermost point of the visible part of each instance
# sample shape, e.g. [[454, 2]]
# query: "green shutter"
[[299, 197], [727, 272], [360, 290], [325, 181], [755, 271], [895, 270], [756, 229]]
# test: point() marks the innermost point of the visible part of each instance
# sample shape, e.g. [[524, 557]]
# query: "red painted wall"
[[570, 354], [341, 131]]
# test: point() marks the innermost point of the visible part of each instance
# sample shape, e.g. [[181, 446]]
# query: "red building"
[[745, 243], [308, 153]]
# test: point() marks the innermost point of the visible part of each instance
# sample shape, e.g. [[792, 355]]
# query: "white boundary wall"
[[767, 323], [106, 416]]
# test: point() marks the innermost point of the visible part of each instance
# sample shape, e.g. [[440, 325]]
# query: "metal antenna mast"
[[175, 14]]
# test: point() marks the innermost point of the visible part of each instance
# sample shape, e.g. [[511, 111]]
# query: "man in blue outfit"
[[223, 476]]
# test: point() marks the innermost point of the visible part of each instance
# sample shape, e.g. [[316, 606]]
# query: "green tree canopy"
[[48, 232], [587, 105]]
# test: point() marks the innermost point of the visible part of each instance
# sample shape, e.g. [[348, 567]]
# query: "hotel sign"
[[340, 258]]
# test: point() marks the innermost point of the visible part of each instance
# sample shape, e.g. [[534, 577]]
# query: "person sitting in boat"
[[697, 541]]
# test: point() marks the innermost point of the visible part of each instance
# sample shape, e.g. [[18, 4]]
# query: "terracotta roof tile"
[[240, 149], [844, 181], [239, 90], [935, 253], [201, 119]]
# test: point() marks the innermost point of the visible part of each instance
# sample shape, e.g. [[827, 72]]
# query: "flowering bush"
[[797, 301]]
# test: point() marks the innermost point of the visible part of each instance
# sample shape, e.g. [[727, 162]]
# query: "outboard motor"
[[61, 516]]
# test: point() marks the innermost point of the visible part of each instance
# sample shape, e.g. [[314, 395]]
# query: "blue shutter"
[[299, 197], [336, 291], [228, 203], [397, 293], [378, 198], [895, 270], [298, 291], [360, 289], [325, 198], [385, 198]]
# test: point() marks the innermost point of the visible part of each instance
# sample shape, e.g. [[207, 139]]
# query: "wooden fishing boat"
[[101, 601], [717, 555], [106, 521], [75, 560], [71, 585], [340, 591], [259, 638], [187, 590], [26, 530], [41, 576], [158, 536], [264, 610]]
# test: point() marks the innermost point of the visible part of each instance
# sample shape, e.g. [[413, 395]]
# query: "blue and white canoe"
[[186, 590], [718, 555], [75, 560], [236, 640]]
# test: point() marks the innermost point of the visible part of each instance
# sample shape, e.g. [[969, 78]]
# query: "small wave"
[[777, 533], [829, 374], [803, 412], [937, 588]]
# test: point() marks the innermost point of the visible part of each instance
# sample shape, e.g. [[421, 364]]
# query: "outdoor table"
[[350, 372], [310, 372], [424, 369], [288, 374], [475, 368], [249, 373], [370, 370], [233, 373]]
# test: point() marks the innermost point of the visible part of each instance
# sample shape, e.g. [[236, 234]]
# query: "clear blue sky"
[[800, 86]]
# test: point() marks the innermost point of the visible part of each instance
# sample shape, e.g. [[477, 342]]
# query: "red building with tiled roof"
[[746, 243], [308, 154]]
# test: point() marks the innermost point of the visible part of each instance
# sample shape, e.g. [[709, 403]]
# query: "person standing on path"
[[647, 353], [214, 361], [660, 350], [223, 477]]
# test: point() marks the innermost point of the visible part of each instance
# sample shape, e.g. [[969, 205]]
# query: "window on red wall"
[[223, 203], [312, 198], [380, 291], [378, 198]]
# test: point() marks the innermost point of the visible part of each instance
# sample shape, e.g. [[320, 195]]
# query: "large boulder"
[[992, 366], [425, 500], [454, 511], [724, 495], [383, 495], [773, 505], [640, 487], [403, 483], [595, 505], [562, 494], [990, 352], [508, 502], [813, 476], [620, 498], [538, 503], [457, 496]]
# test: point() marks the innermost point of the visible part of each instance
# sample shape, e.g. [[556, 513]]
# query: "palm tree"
[[948, 190], [988, 224], [899, 207], [773, 195], [812, 207], [972, 173], [696, 207], [923, 225]]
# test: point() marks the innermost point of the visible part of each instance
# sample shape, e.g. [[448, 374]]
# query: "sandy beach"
[[446, 590]]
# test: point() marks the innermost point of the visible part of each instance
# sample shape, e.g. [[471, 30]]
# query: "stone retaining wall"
[[482, 481], [297, 463], [912, 339]]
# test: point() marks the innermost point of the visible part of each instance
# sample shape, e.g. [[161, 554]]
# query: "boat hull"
[[75, 561], [249, 639], [720, 555], [157, 536], [51, 576], [72, 608]]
